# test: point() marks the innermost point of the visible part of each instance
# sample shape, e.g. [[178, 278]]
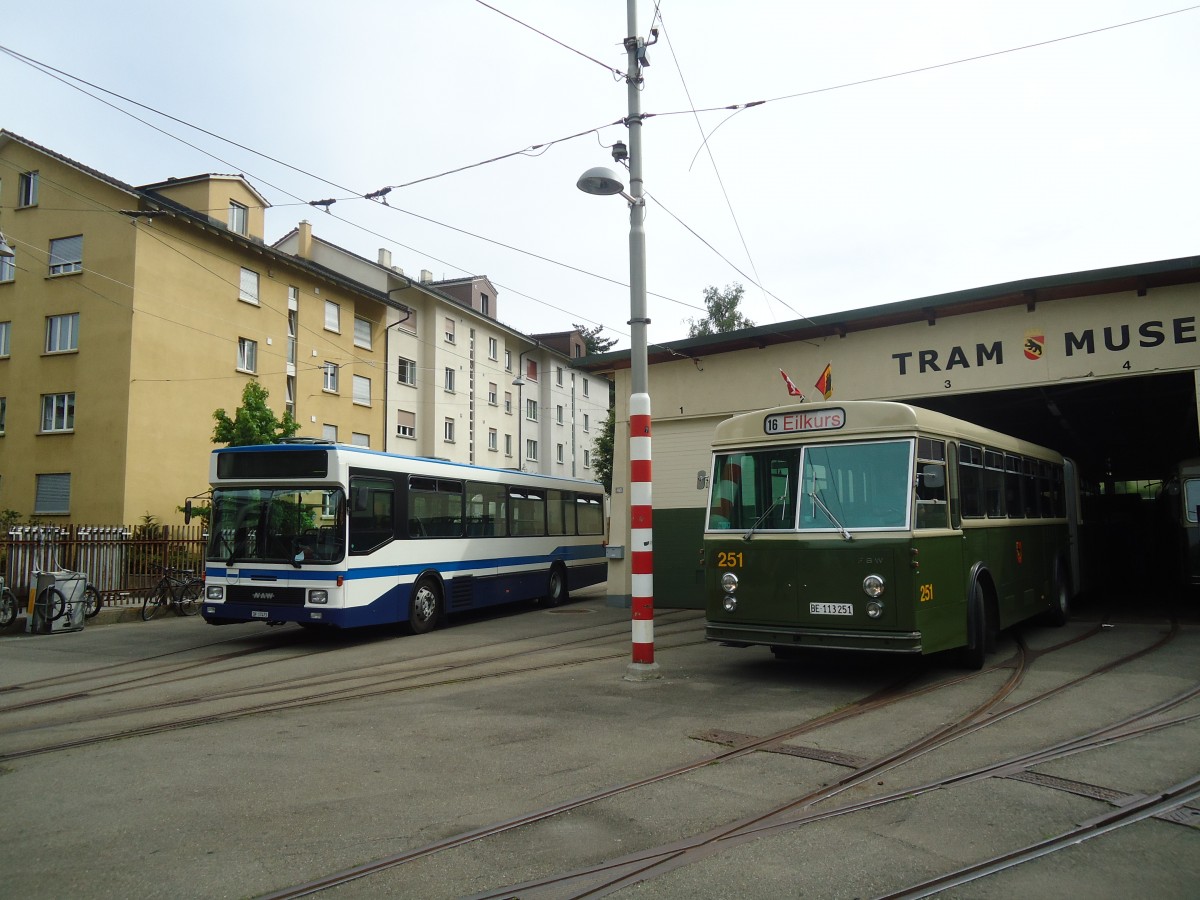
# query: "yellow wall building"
[[128, 315]]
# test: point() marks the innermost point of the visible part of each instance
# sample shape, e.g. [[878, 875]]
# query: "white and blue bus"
[[324, 534]]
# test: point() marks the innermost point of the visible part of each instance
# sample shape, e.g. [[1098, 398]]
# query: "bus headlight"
[[215, 592], [318, 596], [874, 609], [873, 586], [729, 582], [730, 603]]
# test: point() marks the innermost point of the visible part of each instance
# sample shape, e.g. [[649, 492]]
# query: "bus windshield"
[[297, 525], [831, 487], [862, 485]]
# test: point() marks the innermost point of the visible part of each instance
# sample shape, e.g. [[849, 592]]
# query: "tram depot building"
[[1102, 366]]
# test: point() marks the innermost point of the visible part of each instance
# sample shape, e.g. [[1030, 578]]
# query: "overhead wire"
[[381, 194]]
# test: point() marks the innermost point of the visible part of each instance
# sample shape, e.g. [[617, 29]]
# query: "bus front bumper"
[[781, 636]]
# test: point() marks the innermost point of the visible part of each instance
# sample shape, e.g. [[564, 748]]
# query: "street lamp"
[[606, 182]]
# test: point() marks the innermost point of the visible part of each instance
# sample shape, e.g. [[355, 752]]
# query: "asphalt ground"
[[173, 759]]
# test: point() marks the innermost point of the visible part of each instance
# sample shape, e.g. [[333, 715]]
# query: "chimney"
[[385, 258], [426, 276], [304, 244]]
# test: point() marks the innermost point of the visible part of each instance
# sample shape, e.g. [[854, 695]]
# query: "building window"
[[331, 377], [247, 355], [333, 317], [493, 396], [58, 412], [585, 387], [578, 348], [587, 459], [329, 433], [408, 320], [587, 420], [449, 331], [362, 333], [485, 306], [507, 360], [66, 255], [493, 436], [558, 375], [448, 431], [531, 370], [293, 327], [449, 380], [238, 217], [3, 413], [8, 268], [289, 404], [5, 333], [531, 410], [248, 286], [53, 495], [27, 189], [558, 453], [362, 390], [531, 450], [406, 371], [507, 402], [508, 445], [406, 424], [493, 348], [558, 414], [358, 439]]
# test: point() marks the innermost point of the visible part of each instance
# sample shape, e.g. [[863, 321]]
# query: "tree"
[[602, 451], [593, 341], [253, 422], [723, 315]]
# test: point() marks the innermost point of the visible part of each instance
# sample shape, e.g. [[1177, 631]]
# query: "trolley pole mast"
[[641, 537]]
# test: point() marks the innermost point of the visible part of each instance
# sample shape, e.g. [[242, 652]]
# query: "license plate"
[[831, 609], [262, 615]]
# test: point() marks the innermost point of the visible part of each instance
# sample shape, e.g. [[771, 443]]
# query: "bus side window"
[[931, 484], [372, 513]]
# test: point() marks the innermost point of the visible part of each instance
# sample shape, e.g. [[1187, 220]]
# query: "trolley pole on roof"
[[607, 182]]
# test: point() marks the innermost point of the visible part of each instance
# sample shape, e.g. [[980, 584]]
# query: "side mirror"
[[933, 477], [701, 480]]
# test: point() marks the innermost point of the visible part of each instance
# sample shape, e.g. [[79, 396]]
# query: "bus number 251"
[[727, 560]]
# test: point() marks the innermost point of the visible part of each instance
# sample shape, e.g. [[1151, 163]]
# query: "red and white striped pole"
[[641, 538]]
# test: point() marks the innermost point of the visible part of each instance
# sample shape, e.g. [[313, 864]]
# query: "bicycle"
[[8, 605], [181, 588]]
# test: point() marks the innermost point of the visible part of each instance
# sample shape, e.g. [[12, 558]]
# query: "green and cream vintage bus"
[[871, 525]]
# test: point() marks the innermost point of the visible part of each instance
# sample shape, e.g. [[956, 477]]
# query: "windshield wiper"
[[832, 518], [770, 509]]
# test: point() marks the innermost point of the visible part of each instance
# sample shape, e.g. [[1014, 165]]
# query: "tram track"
[[648, 864], [203, 669], [425, 678]]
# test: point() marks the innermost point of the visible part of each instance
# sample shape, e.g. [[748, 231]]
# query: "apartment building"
[[462, 385], [128, 315]]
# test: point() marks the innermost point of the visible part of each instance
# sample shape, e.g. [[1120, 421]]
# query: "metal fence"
[[123, 562]]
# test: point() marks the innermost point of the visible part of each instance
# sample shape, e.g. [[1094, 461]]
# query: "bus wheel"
[[1060, 609], [556, 586], [425, 607], [972, 655]]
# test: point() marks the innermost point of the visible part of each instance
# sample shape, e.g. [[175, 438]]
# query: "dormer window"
[[239, 216]]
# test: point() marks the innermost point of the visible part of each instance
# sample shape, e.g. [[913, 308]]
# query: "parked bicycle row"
[[180, 589]]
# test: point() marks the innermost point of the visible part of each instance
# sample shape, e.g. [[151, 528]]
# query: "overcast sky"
[[1072, 155]]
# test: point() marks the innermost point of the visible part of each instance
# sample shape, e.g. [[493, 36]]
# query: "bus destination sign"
[[799, 421]]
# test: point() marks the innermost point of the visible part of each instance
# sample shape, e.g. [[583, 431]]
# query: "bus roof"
[[837, 421], [416, 465]]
